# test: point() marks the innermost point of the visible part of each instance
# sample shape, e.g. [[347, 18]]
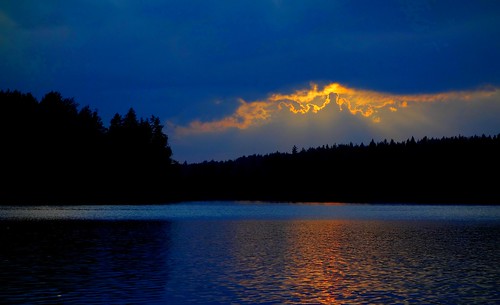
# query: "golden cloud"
[[366, 103]]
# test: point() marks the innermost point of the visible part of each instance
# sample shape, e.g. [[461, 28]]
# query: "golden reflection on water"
[[339, 262], [309, 260], [250, 262], [316, 264]]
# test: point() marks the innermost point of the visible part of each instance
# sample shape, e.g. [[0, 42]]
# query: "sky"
[[231, 78]]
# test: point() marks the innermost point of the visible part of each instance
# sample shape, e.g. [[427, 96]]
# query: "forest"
[[56, 152]]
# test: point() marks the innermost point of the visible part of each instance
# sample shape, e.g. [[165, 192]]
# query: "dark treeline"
[[447, 170], [56, 152]]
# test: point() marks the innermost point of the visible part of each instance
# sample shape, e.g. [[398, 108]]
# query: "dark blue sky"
[[186, 61]]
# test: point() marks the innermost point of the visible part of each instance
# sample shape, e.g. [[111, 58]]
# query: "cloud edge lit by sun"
[[365, 103]]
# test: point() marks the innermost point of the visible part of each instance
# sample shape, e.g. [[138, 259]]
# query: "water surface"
[[250, 253]]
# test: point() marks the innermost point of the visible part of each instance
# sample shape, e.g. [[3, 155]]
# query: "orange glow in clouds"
[[310, 101]]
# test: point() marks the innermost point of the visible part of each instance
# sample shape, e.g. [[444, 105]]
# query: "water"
[[250, 253]]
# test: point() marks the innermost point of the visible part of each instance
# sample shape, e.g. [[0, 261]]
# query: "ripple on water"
[[249, 261]]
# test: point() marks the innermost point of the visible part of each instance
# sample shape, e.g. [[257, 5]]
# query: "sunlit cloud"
[[246, 115], [365, 103]]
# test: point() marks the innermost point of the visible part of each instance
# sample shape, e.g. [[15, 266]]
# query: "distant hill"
[[55, 152]]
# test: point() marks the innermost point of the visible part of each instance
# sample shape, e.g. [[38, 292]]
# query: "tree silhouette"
[[54, 152]]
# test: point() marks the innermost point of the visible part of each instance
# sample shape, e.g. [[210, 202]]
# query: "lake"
[[250, 253]]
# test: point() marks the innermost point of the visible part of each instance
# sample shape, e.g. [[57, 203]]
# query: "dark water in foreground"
[[250, 253]]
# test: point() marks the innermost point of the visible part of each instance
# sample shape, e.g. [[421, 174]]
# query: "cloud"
[[247, 115], [453, 113], [365, 103]]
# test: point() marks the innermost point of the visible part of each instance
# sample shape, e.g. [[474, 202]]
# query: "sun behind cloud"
[[366, 103]]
